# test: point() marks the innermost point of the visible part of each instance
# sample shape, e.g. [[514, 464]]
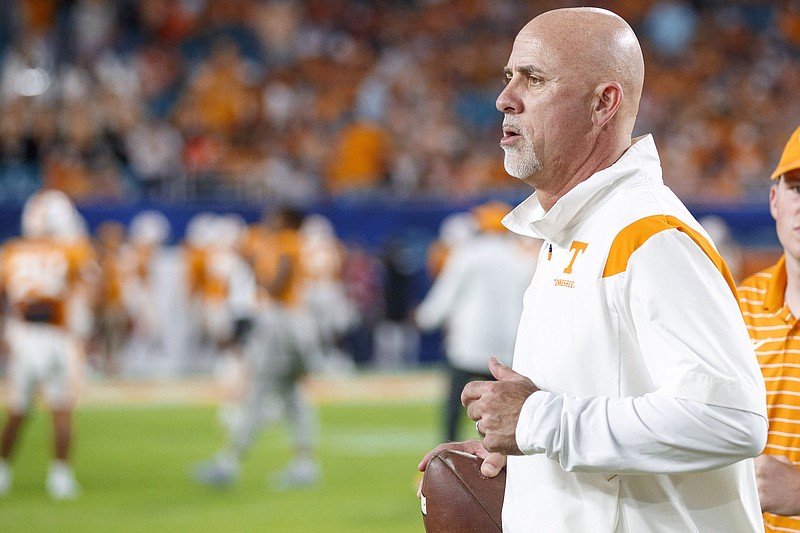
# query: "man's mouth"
[[510, 133]]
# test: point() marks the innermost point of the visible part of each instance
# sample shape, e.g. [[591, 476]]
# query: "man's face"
[[545, 105], [784, 204]]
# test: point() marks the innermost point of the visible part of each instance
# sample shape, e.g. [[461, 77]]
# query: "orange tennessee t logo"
[[576, 247]]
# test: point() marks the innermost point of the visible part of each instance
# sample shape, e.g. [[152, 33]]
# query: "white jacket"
[[652, 401]]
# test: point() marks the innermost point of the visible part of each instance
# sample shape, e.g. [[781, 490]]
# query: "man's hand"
[[778, 485], [495, 406], [492, 462]]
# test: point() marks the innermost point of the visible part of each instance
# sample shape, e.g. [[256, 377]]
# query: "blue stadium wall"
[[375, 224], [372, 222]]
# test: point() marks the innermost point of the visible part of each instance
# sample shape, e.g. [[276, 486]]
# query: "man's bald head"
[[573, 84], [597, 46]]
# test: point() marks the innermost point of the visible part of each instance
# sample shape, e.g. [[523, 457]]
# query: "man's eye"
[[534, 80], [506, 79]]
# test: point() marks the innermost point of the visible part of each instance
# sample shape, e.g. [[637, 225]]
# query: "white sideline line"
[[360, 387], [376, 444]]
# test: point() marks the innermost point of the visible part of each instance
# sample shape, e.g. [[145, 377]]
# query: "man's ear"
[[605, 103], [773, 194]]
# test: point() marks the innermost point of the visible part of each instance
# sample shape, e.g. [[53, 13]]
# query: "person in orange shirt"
[[770, 303], [220, 89], [46, 277]]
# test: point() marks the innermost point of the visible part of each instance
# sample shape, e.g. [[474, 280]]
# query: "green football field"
[[134, 460]]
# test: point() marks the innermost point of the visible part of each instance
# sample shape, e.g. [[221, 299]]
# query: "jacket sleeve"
[[688, 326], [648, 434]]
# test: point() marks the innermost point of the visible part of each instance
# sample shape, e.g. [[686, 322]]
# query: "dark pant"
[[453, 410]]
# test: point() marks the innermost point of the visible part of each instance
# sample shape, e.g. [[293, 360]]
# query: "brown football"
[[457, 498]]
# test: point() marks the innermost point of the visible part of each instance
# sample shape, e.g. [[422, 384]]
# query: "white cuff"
[[526, 425]]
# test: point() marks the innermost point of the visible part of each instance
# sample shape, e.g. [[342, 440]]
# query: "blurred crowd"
[[295, 101]]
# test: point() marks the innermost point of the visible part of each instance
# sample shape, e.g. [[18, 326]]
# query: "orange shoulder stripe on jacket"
[[636, 234]]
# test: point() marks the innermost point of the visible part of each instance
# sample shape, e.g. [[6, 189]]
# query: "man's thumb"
[[500, 371]]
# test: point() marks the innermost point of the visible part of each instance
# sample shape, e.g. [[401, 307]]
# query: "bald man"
[[635, 403]]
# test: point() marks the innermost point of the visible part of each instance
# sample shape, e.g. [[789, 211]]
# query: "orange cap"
[[490, 215], [790, 159]]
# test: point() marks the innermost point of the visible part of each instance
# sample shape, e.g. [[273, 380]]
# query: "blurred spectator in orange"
[[359, 160], [222, 90]]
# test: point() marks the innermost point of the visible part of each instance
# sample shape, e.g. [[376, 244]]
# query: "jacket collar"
[[529, 218]]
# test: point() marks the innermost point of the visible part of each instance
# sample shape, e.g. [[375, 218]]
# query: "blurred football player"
[[112, 319], [128, 325], [47, 279], [281, 350], [322, 258], [147, 233], [226, 292], [194, 249]]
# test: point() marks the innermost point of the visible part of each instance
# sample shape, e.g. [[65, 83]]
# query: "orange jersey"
[[142, 254], [111, 274], [195, 265], [210, 270], [282, 246], [120, 268], [255, 238], [216, 272], [39, 276], [776, 338]]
